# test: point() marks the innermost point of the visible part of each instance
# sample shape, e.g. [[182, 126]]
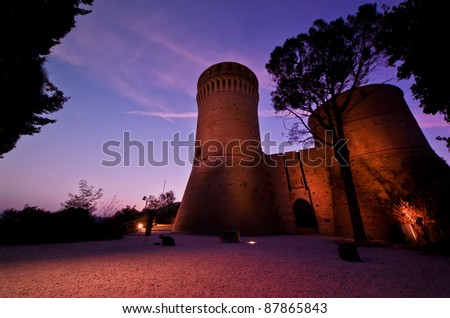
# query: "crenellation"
[[227, 77]]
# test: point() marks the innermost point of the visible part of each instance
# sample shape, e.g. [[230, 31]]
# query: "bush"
[[166, 215], [127, 219], [34, 226], [25, 226]]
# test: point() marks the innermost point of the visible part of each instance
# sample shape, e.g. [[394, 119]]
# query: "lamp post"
[[146, 201]]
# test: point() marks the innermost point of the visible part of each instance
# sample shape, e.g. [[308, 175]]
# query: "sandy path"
[[279, 266]]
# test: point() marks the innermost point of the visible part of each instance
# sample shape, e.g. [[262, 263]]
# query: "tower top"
[[228, 68]]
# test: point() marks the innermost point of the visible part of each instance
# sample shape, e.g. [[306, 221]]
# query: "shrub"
[[35, 226]]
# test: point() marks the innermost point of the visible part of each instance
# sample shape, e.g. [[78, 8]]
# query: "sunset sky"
[[131, 69]]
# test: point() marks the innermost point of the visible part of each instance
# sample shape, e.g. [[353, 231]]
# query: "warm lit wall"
[[234, 186], [228, 188], [303, 175], [386, 147]]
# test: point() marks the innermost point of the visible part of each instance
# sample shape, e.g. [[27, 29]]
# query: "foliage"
[[74, 222], [126, 214], [416, 211], [407, 212], [29, 29], [164, 199], [414, 39], [314, 68], [446, 139], [32, 225], [109, 207], [86, 199], [167, 214], [127, 218], [21, 226]]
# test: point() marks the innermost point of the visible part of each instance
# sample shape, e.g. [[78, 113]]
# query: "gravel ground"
[[202, 266]]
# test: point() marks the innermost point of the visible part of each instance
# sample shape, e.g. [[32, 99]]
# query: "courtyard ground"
[[202, 266]]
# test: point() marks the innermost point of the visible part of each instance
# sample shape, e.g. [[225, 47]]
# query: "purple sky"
[[132, 67]]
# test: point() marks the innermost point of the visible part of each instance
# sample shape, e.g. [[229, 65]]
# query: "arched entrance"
[[304, 216]]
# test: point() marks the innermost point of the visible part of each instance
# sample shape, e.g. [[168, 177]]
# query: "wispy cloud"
[[143, 67], [261, 113], [179, 50], [147, 59], [165, 115]]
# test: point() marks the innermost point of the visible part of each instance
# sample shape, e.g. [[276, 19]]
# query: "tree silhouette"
[[28, 31], [414, 39], [314, 68], [163, 200], [86, 199]]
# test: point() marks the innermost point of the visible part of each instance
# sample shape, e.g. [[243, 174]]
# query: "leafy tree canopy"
[[313, 68], [414, 38], [28, 31], [415, 34]]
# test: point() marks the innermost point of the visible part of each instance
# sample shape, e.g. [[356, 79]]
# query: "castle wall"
[[385, 144], [280, 183], [303, 175], [234, 185], [316, 169]]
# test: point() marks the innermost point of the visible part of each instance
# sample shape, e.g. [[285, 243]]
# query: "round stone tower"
[[227, 189], [390, 160]]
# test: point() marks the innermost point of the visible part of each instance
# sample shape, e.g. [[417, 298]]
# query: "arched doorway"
[[304, 216]]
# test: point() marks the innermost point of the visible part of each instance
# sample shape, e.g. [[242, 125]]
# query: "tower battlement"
[[227, 77]]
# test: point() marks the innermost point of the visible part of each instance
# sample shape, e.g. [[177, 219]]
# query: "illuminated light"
[[252, 242], [140, 225]]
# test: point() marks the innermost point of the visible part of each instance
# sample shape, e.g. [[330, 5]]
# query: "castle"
[[235, 186]]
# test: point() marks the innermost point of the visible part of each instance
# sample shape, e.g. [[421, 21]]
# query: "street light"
[[140, 225]]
